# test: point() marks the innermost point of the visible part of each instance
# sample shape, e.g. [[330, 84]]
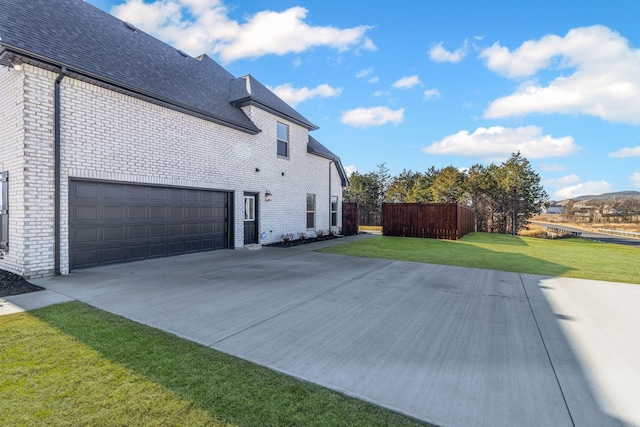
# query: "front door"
[[250, 219]]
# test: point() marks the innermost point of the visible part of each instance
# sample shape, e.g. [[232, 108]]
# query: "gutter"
[[57, 169]]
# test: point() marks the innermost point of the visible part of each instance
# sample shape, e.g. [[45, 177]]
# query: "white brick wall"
[[110, 136], [11, 159]]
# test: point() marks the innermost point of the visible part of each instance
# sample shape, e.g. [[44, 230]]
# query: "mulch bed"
[[298, 242], [12, 284]]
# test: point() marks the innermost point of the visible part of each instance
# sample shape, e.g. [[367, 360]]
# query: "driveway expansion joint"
[[546, 349]]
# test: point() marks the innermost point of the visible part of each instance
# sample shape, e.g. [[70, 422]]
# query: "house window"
[[4, 211], [311, 211], [334, 211], [249, 208], [283, 140]]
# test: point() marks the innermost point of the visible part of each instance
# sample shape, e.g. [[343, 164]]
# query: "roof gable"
[[249, 91]]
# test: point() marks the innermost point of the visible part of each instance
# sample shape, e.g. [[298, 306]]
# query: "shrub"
[[302, 236], [287, 237]]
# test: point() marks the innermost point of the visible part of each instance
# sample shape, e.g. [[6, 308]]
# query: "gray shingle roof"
[[315, 147], [95, 44]]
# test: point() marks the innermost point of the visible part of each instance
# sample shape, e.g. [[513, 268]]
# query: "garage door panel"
[[112, 191], [85, 235], [86, 190], [157, 231], [136, 252], [85, 213], [136, 193], [112, 222], [136, 213], [113, 212], [176, 212], [113, 255], [191, 246], [136, 232], [156, 212], [175, 230], [191, 229], [156, 194], [175, 248], [87, 257], [111, 234], [176, 195]]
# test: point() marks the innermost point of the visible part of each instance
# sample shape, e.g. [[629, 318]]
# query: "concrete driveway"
[[447, 345]]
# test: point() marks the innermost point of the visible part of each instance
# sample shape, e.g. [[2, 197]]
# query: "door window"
[[249, 208]]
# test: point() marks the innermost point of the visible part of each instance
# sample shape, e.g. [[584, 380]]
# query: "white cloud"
[[364, 73], [350, 169], [546, 167], [626, 152], [376, 116], [293, 96], [583, 189], [598, 74], [198, 26], [439, 54], [431, 93], [407, 82], [635, 179], [562, 182], [380, 93], [497, 142]]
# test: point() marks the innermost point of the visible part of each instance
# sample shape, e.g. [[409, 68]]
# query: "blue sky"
[[417, 84]]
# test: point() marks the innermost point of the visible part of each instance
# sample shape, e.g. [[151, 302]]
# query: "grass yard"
[[71, 365], [578, 258]]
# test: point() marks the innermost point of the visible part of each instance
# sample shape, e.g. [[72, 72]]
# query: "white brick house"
[[108, 163]]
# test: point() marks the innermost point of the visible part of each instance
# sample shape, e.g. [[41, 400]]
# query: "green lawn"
[[74, 365], [579, 258]]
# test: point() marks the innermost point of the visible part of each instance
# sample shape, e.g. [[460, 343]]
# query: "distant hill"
[[608, 196], [619, 195]]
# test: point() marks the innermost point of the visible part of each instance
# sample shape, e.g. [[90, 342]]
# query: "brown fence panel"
[[448, 221], [350, 221], [466, 220]]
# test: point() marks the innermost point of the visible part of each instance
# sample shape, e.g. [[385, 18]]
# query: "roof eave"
[[89, 77]]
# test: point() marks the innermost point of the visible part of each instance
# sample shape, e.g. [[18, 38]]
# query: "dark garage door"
[[114, 222]]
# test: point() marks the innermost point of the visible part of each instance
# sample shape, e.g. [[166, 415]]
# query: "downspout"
[[57, 170], [330, 195]]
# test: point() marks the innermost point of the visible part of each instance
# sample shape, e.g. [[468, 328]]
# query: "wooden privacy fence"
[[448, 221], [350, 221]]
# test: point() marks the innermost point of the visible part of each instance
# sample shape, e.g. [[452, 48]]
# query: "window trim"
[[311, 212], [252, 203], [283, 141], [333, 211]]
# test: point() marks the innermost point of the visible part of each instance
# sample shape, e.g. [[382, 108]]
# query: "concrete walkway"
[[452, 346]]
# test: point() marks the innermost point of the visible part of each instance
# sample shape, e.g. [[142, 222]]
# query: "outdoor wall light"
[[268, 196], [257, 169], [16, 64]]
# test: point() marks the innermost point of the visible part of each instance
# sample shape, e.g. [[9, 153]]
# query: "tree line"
[[504, 196]]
